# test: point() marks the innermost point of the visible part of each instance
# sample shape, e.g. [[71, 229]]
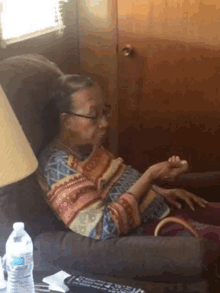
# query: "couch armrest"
[[194, 180], [134, 257], [206, 185]]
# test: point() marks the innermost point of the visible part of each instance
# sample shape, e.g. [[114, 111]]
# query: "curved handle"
[[127, 50], [175, 220]]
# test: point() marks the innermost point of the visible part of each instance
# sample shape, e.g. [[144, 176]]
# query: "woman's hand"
[[172, 196], [170, 169]]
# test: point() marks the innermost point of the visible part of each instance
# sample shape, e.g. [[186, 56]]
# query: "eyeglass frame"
[[108, 106]]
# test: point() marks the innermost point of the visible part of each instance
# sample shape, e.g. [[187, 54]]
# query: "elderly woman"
[[96, 194]]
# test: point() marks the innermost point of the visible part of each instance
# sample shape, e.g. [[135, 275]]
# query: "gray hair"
[[64, 88], [61, 92]]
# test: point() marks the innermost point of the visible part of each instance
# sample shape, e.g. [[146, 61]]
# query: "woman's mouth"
[[101, 134]]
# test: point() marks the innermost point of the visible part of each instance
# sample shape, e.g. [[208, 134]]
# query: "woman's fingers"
[[177, 158], [169, 195], [191, 199], [177, 163], [179, 167], [200, 201], [174, 159], [182, 194], [172, 196], [172, 202], [189, 202]]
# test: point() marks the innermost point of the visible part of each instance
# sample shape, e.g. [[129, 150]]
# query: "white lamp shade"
[[17, 159]]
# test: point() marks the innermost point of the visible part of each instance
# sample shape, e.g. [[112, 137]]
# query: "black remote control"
[[92, 285]]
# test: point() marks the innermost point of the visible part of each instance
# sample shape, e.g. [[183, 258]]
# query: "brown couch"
[[177, 264]]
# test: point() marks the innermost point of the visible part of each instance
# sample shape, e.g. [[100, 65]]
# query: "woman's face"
[[88, 102]]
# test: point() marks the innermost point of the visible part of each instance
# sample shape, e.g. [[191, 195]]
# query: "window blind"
[[23, 19]]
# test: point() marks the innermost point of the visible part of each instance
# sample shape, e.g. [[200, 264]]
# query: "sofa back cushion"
[[26, 80]]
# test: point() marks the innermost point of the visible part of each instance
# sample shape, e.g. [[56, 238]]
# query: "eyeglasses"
[[105, 113]]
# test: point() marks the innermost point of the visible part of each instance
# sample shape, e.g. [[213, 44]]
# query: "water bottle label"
[[17, 261], [20, 260]]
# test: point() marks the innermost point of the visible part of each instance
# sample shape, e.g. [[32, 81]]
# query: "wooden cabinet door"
[[169, 85]]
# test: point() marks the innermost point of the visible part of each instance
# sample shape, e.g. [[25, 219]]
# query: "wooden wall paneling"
[[64, 51], [169, 88], [98, 52]]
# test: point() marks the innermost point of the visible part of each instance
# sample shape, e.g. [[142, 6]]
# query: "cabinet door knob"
[[127, 50]]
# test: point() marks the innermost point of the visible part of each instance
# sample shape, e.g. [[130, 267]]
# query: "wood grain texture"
[[169, 87]]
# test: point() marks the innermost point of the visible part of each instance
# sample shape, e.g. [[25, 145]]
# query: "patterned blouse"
[[90, 195]]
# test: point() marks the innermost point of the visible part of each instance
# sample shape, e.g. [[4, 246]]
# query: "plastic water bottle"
[[19, 261], [3, 283]]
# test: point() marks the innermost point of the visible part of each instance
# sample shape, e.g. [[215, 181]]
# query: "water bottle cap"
[[18, 226]]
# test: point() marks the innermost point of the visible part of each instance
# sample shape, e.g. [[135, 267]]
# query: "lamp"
[[17, 159]]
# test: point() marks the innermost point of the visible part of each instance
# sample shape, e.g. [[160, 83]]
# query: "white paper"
[[56, 281]]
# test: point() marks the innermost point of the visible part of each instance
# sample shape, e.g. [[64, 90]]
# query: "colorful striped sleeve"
[[77, 202]]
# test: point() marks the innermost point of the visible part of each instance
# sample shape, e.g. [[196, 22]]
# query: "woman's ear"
[[64, 121]]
